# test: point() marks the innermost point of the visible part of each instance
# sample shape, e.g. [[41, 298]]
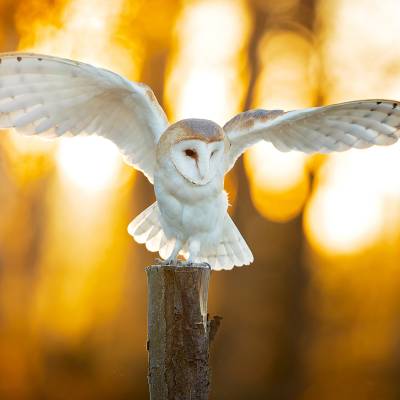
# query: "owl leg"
[[194, 250], [173, 257]]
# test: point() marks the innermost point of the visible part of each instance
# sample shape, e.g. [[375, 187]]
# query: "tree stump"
[[179, 332]]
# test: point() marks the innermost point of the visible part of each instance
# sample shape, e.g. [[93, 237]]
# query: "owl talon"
[[166, 262], [185, 263], [179, 263], [191, 264]]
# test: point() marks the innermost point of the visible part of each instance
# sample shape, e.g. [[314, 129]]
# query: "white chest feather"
[[189, 210]]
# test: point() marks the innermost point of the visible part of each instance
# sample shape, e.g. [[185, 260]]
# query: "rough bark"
[[179, 332]]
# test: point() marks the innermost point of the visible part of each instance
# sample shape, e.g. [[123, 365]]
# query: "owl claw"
[[191, 264], [166, 262], [184, 263], [180, 263]]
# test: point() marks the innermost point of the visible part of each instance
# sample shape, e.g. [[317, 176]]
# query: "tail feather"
[[166, 247], [153, 243], [141, 226], [231, 251], [146, 228]]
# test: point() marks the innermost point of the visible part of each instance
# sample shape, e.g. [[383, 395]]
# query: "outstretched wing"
[[50, 96], [338, 127]]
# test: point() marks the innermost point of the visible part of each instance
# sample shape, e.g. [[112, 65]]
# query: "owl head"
[[196, 149]]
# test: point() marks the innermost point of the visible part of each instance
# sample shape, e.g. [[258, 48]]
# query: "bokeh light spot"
[[342, 221], [92, 163]]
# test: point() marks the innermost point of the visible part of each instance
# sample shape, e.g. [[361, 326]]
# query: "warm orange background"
[[317, 315]]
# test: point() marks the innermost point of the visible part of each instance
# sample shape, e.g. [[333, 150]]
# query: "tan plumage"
[[189, 129]]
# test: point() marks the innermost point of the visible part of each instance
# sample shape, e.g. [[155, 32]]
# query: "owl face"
[[198, 161]]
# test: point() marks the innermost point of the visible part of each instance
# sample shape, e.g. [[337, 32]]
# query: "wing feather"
[[338, 127], [50, 97]]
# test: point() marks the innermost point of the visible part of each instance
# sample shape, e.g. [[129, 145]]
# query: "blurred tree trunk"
[[273, 320], [8, 32]]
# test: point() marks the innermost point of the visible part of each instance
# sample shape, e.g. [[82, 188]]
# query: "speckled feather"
[[337, 127], [50, 97]]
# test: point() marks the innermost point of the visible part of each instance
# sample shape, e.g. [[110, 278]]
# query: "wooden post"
[[179, 332]]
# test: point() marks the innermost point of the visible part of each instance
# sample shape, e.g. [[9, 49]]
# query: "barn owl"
[[187, 160]]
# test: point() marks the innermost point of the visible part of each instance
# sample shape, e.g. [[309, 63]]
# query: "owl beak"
[[203, 167]]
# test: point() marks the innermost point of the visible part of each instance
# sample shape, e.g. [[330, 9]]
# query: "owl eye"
[[190, 153]]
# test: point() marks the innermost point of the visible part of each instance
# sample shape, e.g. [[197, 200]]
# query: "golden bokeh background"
[[317, 316]]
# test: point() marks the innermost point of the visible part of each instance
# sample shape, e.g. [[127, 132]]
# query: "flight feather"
[[51, 96]]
